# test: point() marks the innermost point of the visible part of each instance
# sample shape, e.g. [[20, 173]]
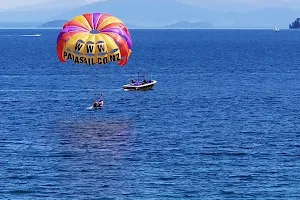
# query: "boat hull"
[[97, 107]]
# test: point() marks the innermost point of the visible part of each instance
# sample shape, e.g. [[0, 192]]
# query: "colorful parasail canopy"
[[94, 38]]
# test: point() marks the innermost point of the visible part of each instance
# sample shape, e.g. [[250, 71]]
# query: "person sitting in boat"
[[95, 103], [144, 81], [100, 102], [132, 81]]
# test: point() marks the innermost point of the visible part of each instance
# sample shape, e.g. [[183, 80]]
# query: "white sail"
[[275, 29]]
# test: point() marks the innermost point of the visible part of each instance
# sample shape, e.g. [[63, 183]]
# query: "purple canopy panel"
[[70, 29], [121, 32], [96, 17]]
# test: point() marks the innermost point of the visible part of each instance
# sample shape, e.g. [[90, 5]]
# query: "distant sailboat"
[[275, 29]]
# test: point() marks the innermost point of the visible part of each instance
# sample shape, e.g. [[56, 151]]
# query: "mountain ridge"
[[180, 24], [154, 13], [53, 24], [140, 12], [188, 25]]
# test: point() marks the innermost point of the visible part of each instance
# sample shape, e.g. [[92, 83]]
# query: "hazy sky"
[[4, 4], [244, 4], [212, 4], [16, 3]]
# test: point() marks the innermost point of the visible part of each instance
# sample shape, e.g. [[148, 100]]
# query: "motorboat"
[[145, 84], [98, 104], [140, 85]]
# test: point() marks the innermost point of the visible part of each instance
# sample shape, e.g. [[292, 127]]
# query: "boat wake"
[[29, 35], [33, 35], [93, 108], [90, 108]]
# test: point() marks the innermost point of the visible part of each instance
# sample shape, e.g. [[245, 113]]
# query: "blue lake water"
[[222, 122]]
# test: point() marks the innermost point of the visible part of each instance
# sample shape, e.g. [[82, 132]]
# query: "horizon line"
[[158, 28]]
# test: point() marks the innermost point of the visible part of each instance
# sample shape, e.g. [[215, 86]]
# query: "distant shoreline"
[[58, 28]]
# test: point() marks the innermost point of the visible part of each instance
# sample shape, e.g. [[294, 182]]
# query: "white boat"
[[275, 29], [146, 84], [140, 85], [98, 104]]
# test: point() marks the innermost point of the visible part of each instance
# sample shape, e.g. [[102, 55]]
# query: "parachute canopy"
[[94, 38]]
